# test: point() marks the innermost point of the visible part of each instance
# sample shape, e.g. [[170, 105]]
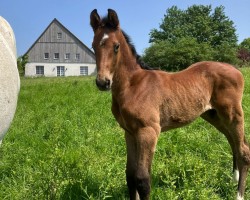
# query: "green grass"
[[65, 144]]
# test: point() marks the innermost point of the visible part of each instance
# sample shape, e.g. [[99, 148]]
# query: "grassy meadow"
[[65, 144]]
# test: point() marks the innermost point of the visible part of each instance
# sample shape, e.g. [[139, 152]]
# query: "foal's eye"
[[116, 47]]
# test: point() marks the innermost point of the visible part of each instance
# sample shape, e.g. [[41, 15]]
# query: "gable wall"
[[48, 43]]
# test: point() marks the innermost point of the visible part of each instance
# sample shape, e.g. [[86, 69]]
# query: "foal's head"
[[106, 44]]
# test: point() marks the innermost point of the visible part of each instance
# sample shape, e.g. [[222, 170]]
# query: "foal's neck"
[[126, 67]]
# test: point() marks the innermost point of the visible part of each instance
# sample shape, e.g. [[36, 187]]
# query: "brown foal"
[[147, 102]]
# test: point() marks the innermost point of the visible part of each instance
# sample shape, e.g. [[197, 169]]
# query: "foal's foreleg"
[[140, 151], [131, 166]]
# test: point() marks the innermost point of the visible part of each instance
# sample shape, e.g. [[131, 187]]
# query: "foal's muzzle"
[[103, 85]]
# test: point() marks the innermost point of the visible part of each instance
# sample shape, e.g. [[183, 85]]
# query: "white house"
[[57, 52]]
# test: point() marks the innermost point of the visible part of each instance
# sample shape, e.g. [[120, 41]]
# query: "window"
[[84, 71], [46, 56], [60, 71], [67, 56], [59, 36], [56, 56], [77, 56], [40, 70]]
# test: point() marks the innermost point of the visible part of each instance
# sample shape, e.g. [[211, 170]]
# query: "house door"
[[60, 71]]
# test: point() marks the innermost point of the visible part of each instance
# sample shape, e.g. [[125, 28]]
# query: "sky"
[[29, 18]]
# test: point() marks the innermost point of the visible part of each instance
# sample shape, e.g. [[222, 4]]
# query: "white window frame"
[[67, 56], [84, 71], [56, 56], [46, 56], [77, 56], [60, 70], [40, 70], [59, 35]]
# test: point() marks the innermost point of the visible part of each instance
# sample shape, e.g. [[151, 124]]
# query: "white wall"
[[50, 69]]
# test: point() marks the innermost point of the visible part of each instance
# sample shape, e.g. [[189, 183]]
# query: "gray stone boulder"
[[9, 76]]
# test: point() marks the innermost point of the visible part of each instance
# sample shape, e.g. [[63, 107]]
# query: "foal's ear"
[[95, 20], [113, 18]]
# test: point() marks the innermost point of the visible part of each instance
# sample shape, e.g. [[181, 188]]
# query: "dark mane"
[[107, 24], [135, 54]]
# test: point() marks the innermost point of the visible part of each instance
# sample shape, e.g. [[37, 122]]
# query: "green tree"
[[179, 55], [245, 44], [198, 33], [243, 52], [21, 62]]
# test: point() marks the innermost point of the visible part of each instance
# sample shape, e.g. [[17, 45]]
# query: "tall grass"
[[65, 144]]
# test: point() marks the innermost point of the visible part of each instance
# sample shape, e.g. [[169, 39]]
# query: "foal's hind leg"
[[231, 114], [242, 153], [234, 119], [212, 117], [140, 151]]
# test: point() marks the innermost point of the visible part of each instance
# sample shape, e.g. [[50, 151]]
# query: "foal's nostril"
[[103, 84], [108, 83]]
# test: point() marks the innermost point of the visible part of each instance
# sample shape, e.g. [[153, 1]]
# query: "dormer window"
[[59, 36]]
